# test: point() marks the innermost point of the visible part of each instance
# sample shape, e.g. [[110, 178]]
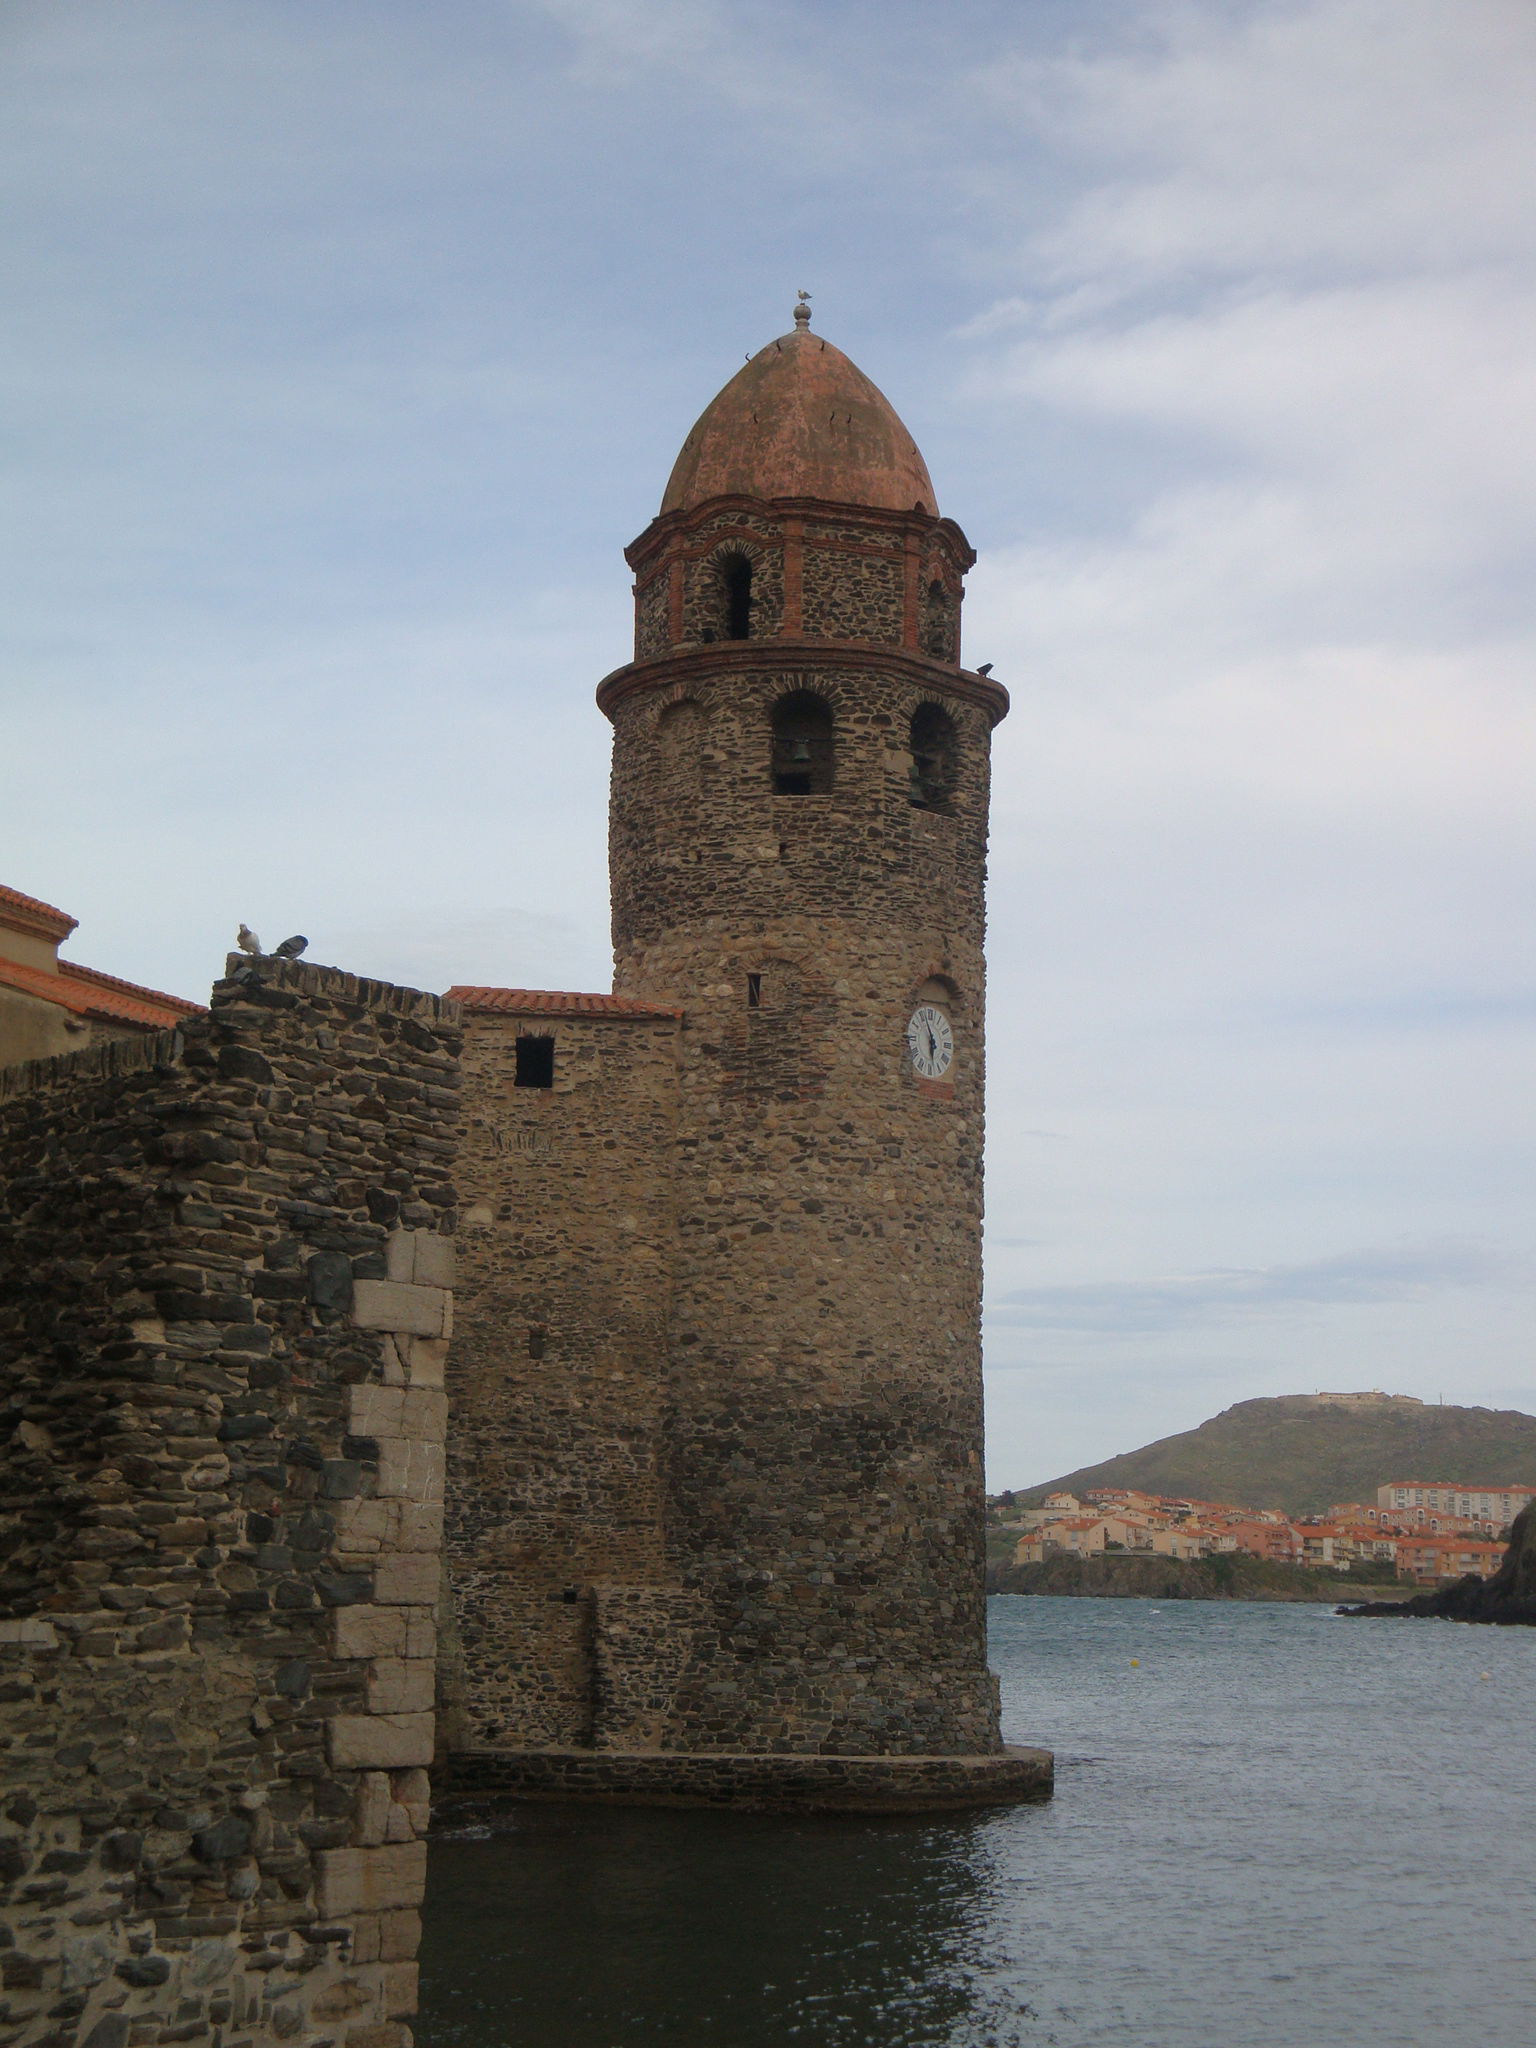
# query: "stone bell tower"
[[798, 849]]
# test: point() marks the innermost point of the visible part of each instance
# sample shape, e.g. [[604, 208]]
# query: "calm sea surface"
[[1275, 1830]]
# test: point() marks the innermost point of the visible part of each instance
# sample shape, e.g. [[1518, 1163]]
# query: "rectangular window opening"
[[754, 991], [535, 1063], [537, 1340]]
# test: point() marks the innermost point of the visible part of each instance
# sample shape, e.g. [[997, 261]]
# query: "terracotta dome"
[[801, 421]]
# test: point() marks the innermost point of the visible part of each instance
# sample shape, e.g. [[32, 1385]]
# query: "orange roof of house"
[[30, 914], [544, 1002], [87, 993]]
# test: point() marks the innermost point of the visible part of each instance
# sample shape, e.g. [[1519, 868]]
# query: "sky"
[[347, 344]]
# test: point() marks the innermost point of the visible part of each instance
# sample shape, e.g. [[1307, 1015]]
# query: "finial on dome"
[[803, 311]]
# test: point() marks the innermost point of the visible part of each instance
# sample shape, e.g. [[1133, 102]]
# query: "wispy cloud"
[[1371, 1276]]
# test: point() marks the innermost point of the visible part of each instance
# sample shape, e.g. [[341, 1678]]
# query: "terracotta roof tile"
[[31, 914], [87, 993], [543, 1002]]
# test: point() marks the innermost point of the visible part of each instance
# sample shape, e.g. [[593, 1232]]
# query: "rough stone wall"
[[854, 595], [566, 1250], [224, 1309]]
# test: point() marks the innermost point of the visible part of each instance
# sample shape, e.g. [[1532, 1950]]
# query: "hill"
[[1302, 1454]]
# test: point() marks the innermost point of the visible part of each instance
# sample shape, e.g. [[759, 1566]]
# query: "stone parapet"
[[477, 1781]]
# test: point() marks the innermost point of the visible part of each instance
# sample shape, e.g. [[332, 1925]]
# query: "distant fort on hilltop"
[[573, 1394]]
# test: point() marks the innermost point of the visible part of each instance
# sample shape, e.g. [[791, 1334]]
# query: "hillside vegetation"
[[1301, 1455]]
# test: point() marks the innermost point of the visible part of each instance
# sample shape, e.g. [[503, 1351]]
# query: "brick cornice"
[[739, 657], [669, 526]]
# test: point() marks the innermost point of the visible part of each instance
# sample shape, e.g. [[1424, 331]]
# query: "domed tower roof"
[[801, 421]]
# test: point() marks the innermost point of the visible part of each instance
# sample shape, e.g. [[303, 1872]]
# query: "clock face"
[[930, 1042]]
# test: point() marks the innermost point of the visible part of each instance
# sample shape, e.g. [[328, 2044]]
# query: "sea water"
[[1272, 1828]]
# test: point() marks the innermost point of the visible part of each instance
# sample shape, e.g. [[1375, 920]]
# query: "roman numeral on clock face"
[[930, 1042]]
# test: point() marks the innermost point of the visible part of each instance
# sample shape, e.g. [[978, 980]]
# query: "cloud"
[[1372, 1276], [1225, 144]]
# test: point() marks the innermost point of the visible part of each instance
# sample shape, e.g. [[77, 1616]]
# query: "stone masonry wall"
[[224, 1311], [555, 1508]]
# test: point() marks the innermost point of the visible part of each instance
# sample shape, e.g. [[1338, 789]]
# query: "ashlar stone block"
[[373, 1880], [379, 1742], [412, 1579], [400, 1685], [369, 1631], [395, 1305]]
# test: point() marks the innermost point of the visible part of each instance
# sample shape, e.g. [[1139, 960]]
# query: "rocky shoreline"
[[1128, 1575]]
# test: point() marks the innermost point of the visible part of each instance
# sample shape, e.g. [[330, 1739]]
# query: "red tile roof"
[[543, 1002], [88, 993], [30, 914]]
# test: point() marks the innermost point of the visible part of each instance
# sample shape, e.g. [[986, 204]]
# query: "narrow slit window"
[[537, 1340], [736, 577], [535, 1063], [754, 991]]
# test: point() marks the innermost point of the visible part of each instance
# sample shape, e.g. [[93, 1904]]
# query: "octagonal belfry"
[[716, 1511]]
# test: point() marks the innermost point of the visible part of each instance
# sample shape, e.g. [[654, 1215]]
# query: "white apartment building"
[[1496, 1504]]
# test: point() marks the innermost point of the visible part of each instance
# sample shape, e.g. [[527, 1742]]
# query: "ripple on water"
[[1275, 1830]]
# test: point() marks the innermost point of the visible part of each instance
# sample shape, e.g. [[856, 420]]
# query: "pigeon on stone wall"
[[290, 949], [984, 668], [247, 941]]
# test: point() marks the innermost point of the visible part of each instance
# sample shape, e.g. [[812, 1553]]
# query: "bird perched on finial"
[[290, 949], [802, 310], [984, 668], [247, 941]]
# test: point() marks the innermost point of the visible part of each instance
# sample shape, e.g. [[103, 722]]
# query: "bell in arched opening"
[[803, 745]]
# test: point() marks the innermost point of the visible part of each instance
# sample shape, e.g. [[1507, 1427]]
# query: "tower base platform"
[[474, 1782]]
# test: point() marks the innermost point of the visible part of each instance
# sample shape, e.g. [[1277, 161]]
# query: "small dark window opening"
[[537, 1339], [736, 575], [754, 991], [934, 749], [535, 1063], [802, 745]]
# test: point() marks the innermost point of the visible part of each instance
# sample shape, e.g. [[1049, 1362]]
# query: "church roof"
[[799, 420], [545, 1002]]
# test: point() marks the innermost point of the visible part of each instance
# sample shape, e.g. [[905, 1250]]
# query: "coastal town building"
[[1495, 1506], [1119, 1519], [50, 1006]]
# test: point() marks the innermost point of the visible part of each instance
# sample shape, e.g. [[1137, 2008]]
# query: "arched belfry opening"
[[804, 745], [735, 570], [934, 745]]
